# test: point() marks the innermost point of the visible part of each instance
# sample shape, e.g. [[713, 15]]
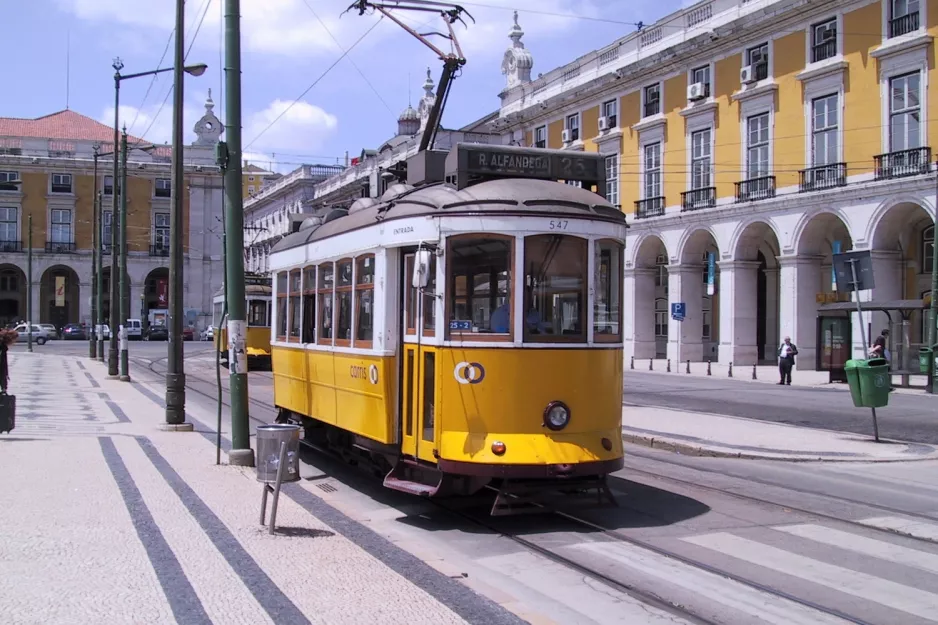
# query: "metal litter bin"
[[269, 438], [869, 382], [924, 359]]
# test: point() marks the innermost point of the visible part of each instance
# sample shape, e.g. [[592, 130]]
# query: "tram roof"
[[250, 290], [502, 197]]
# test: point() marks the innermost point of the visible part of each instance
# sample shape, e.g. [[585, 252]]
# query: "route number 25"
[[558, 224]]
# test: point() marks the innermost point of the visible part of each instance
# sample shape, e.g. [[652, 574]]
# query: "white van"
[[134, 330]]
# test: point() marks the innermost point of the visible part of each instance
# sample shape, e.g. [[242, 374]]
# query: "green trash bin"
[[869, 382], [924, 359]]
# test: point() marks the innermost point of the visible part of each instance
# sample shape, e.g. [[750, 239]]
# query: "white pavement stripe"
[[222, 593], [902, 525], [762, 606], [866, 546], [896, 596]]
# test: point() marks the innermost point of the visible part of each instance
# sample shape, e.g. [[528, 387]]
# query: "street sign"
[[678, 311], [844, 266]]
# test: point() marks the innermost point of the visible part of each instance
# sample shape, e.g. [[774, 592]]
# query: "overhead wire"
[[159, 63]]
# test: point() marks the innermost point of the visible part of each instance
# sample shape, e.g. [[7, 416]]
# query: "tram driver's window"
[[555, 279], [479, 284], [282, 305], [257, 313], [607, 291]]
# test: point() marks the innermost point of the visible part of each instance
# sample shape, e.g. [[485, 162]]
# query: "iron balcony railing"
[[903, 25], [822, 51], [696, 199], [651, 207], [754, 189], [903, 163], [57, 247], [11, 246], [159, 250], [822, 177]]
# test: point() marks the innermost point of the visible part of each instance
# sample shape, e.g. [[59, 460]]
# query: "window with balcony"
[[60, 230], [758, 58], [61, 183], [540, 137], [824, 40], [757, 146], [825, 170], [928, 249], [163, 187], [572, 126], [903, 17], [652, 202], [651, 98], [905, 110], [160, 234], [9, 233], [610, 110], [6, 178], [612, 179], [702, 193], [701, 75]]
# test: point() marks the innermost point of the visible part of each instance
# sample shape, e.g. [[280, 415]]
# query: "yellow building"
[[750, 140], [47, 173], [255, 178]]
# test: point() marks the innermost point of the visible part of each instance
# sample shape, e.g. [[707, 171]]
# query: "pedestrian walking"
[[786, 360], [880, 350]]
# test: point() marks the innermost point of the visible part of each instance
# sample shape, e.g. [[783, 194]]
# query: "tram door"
[[419, 370]]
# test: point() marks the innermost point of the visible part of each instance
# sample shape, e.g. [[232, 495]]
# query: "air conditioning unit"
[[747, 75], [565, 136], [604, 124], [696, 91]]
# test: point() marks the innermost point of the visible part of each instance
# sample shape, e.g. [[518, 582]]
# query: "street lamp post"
[[930, 385], [124, 308], [29, 284], [99, 320], [97, 265]]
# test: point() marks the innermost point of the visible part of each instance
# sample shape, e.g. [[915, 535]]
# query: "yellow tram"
[[461, 333], [257, 291]]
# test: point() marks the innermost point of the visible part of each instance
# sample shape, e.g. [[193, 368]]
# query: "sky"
[[62, 52]]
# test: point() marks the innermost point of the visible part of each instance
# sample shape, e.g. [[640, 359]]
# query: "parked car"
[[134, 330], [40, 334], [51, 329], [74, 332], [188, 334], [208, 334], [158, 332]]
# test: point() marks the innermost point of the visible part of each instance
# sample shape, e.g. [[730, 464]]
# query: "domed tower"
[[517, 62], [209, 128], [426, 101], [409, 122]]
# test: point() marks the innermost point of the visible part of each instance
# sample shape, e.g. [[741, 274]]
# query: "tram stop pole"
[[241, 453]]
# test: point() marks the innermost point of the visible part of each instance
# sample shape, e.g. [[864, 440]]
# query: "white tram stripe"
[[866, 546], [896, 596], [901, 525], [762, 606]]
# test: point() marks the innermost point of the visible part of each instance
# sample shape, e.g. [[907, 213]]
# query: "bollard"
[[708, 366], [651, 364], [669, 365], [688, 366], [729, 372], [632, 364], [754, 372]]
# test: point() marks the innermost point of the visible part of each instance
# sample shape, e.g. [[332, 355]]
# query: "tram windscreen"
[[480, 283], [555, 272], [257, 313]]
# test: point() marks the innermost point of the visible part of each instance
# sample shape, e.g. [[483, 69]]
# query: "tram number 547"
[[558, 224]]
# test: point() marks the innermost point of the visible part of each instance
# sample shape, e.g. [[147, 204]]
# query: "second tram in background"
[[257, 290]]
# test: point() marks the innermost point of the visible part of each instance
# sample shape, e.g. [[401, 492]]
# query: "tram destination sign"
[[510, 161], [256, 280]]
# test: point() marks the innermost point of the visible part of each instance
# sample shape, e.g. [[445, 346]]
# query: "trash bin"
[[269, 438], [924, 359], [869, 382]]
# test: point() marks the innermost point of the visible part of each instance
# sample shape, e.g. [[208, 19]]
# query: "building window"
[[573, 126], [610, 110], [109, 185], [365, 300], [61, 231], [661, 271], [661, 318], [757, 146], [251, 188], [652, 100], [161, 231], [612, 179], [326, 299], [928, 249], [903, 17], [309, 306], [758, 58], [555, 279], [652, 174], [905, 107], [701, 159], [61, 183], [824, 131], [250, 178], [282, 298], [702, 75], [163, 187], [7, 177], [824, 40], [9, 233], [540, 137], [707, 325]]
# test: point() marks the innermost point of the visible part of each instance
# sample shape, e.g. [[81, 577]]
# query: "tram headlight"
[[556, 415]]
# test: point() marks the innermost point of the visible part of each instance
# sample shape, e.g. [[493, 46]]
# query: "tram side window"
[[217, 311], [295, 305], [429, 300], [343, 296], [282, 305], [555, 279], [324, 288], [607, 290], [309, 305], [364, 300], [479, 284]]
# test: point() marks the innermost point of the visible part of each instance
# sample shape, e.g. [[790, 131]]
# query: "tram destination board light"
[[473, 160]]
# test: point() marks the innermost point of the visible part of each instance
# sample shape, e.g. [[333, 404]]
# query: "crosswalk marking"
[[762, 606], [910, 600], [867, 546], [900, 525]]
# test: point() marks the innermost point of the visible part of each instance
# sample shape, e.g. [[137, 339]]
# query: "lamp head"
[[195, 70]]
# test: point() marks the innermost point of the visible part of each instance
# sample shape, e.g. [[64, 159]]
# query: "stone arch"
[[891, 211], [647, 249], [695, 243], [756, 291], [12, 293], [59, 296], [155, 290], [650, 289], [754, 236], [820, 227]]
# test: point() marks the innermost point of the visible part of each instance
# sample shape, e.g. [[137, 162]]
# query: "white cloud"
[[302, 126]]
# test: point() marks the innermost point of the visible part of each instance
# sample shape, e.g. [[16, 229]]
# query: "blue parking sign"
[[678, 311]]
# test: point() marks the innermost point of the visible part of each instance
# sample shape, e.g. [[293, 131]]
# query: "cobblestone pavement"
[[107, 520]]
